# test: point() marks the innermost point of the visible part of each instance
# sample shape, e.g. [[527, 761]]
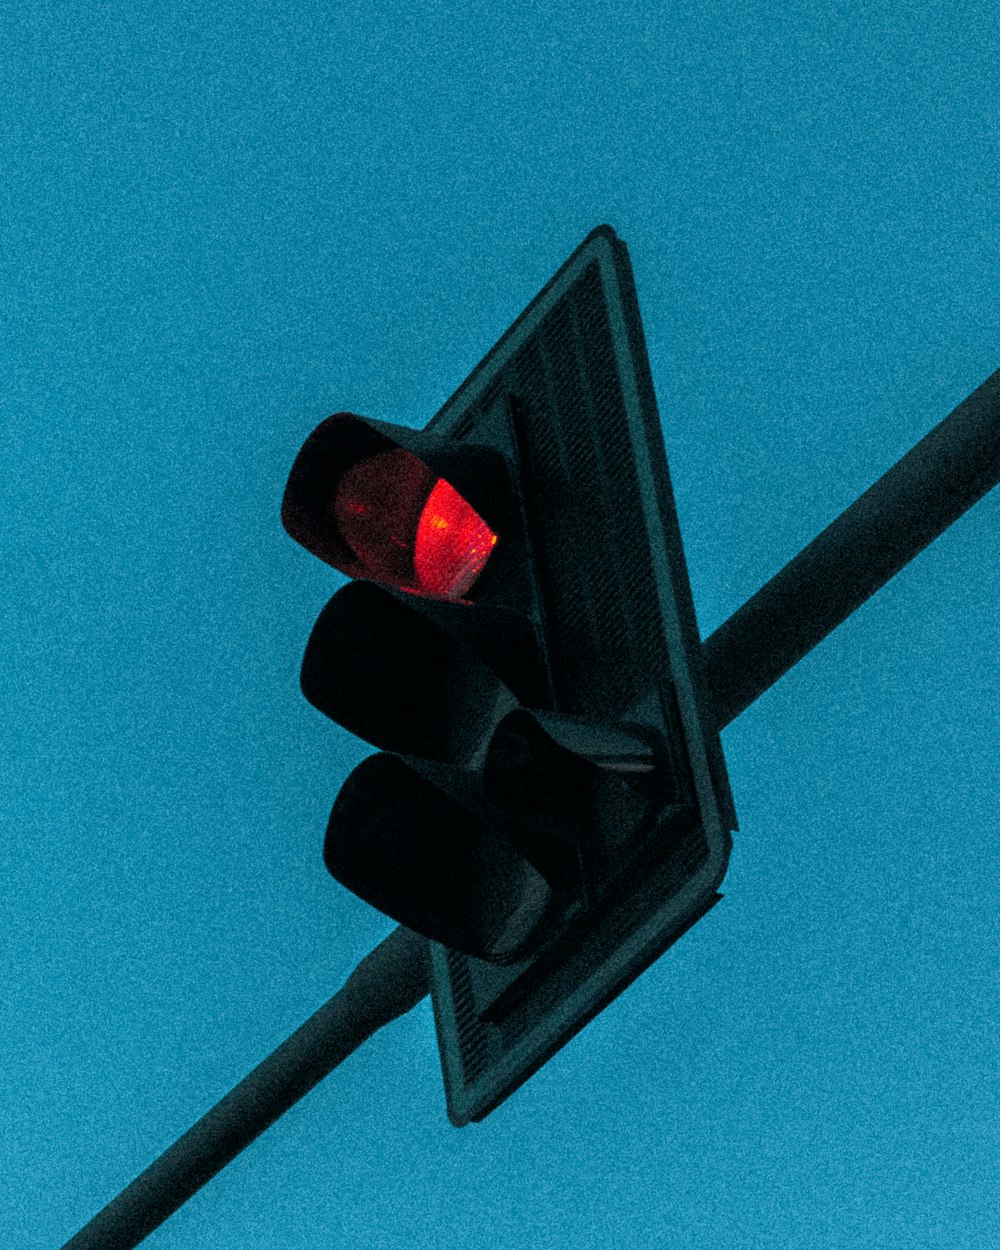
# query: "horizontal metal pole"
[[943, 476], [893, 521]]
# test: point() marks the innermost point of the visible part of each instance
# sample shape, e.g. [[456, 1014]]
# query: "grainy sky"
[[221, 222]]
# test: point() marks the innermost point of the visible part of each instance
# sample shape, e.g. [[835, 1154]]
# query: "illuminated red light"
[[453, 544], [410, 528]]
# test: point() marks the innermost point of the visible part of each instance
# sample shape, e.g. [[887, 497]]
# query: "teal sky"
[[222, 222]]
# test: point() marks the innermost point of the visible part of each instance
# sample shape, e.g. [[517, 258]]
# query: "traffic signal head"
[[549, 803]]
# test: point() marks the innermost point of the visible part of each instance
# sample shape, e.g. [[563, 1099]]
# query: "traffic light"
[[548, 803]]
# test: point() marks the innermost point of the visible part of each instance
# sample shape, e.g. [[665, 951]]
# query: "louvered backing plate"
[[549, 396]]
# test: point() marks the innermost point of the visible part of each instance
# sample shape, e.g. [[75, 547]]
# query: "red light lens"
[[410, 528]]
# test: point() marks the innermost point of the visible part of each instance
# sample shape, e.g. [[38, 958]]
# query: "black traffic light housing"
[[551, 806]]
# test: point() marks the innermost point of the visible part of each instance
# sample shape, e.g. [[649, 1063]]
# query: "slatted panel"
[[566, 382], [473, 1035], [549, 397]]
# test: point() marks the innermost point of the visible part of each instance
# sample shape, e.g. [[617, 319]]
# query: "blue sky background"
[[221, 222]]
